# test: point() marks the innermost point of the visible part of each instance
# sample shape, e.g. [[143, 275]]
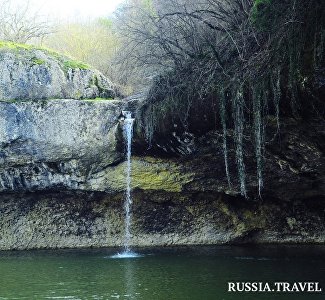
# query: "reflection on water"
[[129, 280], [176, 273]]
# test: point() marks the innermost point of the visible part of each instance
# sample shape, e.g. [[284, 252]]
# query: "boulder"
[[27, 72]]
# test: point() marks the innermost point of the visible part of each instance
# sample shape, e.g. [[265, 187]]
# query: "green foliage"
[[105, 22], [94, 43], [261, 13]]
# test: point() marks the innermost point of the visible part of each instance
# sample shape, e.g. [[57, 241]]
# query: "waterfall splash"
[[128, 133]]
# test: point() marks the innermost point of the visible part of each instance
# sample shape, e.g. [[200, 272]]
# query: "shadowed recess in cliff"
[[241, 85]]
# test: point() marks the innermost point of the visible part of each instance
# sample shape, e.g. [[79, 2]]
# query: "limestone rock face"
[[62, 183], [31, 73], [57, 143]]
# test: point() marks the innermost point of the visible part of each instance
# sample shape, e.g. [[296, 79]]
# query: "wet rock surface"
[[62, 182], [94, 219]]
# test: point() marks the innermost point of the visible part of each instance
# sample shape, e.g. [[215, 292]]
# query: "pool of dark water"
[[160, 273]]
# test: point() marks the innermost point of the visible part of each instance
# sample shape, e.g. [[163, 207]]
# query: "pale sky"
[[71, 9]]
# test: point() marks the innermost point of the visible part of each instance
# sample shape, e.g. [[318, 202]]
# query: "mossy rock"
[[147, 174], [30, 73]]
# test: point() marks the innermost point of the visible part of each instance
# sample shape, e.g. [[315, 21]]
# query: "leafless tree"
[[173, 34], [218, 60], [21, 23], [201, 51]]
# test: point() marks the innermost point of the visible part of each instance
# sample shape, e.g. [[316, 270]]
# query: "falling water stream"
[[128, 133]]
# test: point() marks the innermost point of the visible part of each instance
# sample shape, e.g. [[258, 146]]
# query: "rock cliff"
[[56, 143], [62, 172], [62, 181]]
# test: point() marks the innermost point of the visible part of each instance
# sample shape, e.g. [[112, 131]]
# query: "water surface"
[[175, 273]]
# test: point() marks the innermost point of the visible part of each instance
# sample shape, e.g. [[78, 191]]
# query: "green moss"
[[243, 220], [66, 62], [16, 46], [38, 61], [157, 175], [147, 174], [94, 81], [74, 64], [39, 102]]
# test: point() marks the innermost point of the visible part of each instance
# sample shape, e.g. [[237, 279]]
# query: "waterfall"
[[126, 118], [128, 132]]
